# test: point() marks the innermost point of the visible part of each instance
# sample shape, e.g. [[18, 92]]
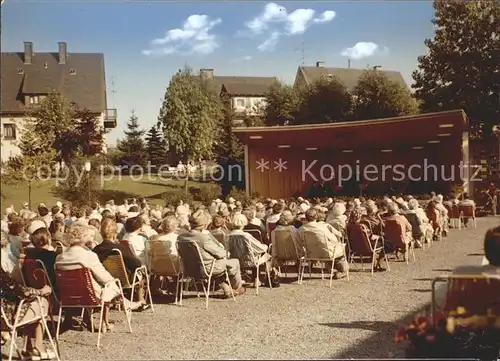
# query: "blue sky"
[[146, 42]]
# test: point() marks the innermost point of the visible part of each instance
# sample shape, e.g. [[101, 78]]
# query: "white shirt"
[[273, 218], [138, 244], [257, 222]]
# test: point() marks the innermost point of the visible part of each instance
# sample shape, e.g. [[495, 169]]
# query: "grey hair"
[[392, 208], [413, 204], [79, 234], [169, 224]]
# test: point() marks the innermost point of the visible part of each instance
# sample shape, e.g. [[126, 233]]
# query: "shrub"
[[206, 193]]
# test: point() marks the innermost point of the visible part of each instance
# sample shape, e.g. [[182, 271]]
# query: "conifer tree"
[[156, 147], [132, 147]]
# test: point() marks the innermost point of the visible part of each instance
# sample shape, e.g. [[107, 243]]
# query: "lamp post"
[[87, 166], [29, 193]]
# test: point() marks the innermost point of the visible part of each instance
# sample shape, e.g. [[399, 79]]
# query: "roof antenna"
[[303, 52]]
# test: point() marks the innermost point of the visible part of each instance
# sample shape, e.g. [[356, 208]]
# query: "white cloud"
[[277, 19], [270, 43], [325, 17], [242, 58], [194, 37], [362, 50]]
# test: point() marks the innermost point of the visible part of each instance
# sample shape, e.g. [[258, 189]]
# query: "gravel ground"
[[356, 318]]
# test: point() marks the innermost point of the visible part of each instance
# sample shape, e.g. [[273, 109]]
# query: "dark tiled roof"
[[245, 89], [86, 87], [348, 76], [244, 85]]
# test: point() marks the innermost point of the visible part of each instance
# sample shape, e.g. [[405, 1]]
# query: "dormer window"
[[20, 71], [72, 71]]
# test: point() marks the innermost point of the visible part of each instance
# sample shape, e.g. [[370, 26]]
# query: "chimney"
[[63, 52], [348, 63], [320, 64], [207, 73], [28, 52]]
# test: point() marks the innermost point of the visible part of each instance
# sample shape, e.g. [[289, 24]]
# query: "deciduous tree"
[[190, 116], [324, 101], [282, 101], [376, 96], [462, 67]]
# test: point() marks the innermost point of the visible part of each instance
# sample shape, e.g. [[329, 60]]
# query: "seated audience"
[[250, 215], [77, 236], [135, 238], [211, 250], [44, 252], [109, 243], [395, 221], [12, 295], [316, 248]]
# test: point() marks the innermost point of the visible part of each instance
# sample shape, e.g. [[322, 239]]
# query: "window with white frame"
[[9, 131], [34, 99], [240, 102]]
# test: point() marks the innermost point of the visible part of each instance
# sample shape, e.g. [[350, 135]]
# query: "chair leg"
[[257, 280], [182, 291], [268, 271], [373, 262], [91, 315], [177, 289], [128, 314], [149, 292], [229, 283], [332, 269], [13, 337], [206, 291], [101, 316], [55, 345]]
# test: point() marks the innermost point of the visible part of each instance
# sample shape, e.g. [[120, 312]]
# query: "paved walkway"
[[353, 319]]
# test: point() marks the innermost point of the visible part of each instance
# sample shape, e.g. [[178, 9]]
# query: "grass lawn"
[[117, 189]]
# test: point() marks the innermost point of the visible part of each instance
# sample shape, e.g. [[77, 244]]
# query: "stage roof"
[[416, 130]]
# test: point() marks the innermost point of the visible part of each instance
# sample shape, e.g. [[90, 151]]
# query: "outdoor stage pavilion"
[[285, 161]]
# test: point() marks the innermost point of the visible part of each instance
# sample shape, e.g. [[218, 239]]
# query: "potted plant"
[[457, 335]]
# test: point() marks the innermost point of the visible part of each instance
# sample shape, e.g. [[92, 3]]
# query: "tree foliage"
[[282, 101], [156, 147], [376, 96], [133, 148], [190, 115], [461, 69], [89, 133], [324, 101]]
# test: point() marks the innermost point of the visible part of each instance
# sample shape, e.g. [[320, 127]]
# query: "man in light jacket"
[[319, 242], [211, 250]]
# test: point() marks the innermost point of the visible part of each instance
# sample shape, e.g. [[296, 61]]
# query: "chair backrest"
[[284, 247], [257, 234], [191, 260], [454, 212], [271, 226], [220, 236], [415, 224], [359, 239], [115, 265], [393, 233], [161, 260], [239, 248], [467, 210], [75, 286], [476, 293], [315, 245], [34, 273]]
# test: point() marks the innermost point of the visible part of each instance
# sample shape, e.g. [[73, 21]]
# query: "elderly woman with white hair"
[[425, 225], [444, 213], [77, 236], [258, 250], [146, 228], [336, 216]]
